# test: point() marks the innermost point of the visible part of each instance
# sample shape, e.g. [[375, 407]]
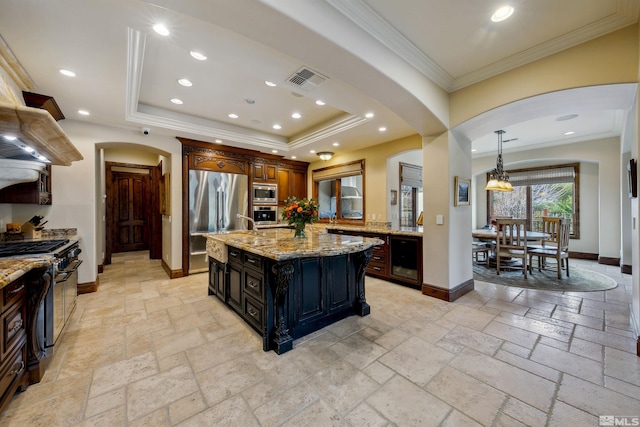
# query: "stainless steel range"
[[61, 298]]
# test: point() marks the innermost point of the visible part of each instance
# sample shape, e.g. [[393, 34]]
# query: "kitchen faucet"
[[254, 229]]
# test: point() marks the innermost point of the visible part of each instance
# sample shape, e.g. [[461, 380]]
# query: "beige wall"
[[375, 160], [609, 59]]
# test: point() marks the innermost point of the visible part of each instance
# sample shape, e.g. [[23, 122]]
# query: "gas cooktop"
[[30, 248]]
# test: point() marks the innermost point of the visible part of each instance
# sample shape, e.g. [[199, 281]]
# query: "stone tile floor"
[[148, 351]]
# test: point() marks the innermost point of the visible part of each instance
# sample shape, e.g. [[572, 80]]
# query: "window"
[[410, 194], [538, 192], [339, 191]]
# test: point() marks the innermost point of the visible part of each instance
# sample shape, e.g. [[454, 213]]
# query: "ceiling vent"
[[307, 79]]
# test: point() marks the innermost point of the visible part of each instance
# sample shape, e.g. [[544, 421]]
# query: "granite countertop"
[[401, 231], [12, 268], [279, 243]]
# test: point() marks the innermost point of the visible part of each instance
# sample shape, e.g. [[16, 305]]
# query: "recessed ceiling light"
[[197, 55], [382, 129], [293, 157], [474, 150], [233, 116], [43, 158], [335, 144], [276, 126], [28, 149], [161, 29], [185, 82], [218, 141], [312, 151], [502, 14], [274, 151], [67, 73], [296, 115], [569, 133], [268, 83], [368, 115], [177, 101], [10, 137], [567, 117], [83, 112], [320, 102]]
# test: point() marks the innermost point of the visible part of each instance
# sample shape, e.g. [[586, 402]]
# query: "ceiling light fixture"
[[294, 157], [499, 178], [277, 126], [335, 144], [569, 133], [185, 82], [83, 112], [320, 102], [218, 141], [296, 115], [325, 155], [10, 137], [274, 151], [161, 29], [177, 101], [502, 14], [67, 73], [382, 129], [233, 116], [270, 84], [369, 115], [197, 55]]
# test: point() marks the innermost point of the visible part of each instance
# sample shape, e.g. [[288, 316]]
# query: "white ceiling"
[[373, 54]]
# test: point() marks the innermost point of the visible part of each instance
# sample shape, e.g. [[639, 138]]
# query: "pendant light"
[[325, 155], [499, 178]]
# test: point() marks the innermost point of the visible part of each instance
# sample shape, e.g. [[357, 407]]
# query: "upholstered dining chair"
[[511, 242], [556, 247]]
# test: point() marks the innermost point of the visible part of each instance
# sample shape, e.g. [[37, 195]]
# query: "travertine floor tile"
[[145, 350]]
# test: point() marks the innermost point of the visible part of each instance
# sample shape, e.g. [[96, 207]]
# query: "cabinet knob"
[[252, 312]]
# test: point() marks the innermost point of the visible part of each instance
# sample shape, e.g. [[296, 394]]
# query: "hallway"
[[146, 350]]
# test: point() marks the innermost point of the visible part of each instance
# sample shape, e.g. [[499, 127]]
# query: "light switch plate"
[[439, 219]]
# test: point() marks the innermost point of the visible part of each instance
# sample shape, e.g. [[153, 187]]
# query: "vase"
[[299, 230]]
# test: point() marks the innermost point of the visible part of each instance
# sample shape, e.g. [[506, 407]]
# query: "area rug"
[[579, 280]]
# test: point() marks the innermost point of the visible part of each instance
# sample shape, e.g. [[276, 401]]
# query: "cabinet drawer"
[[377, 269], [253, 284], [378, 258], [13, 323], [253, 312], [253, 261], [10, 372], [235, 255], [12, 293]]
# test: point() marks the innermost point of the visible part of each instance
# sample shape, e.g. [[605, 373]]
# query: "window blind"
[[543, 176], [341, 171]]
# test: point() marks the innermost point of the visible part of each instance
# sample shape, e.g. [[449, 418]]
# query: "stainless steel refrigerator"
[[215, 198]]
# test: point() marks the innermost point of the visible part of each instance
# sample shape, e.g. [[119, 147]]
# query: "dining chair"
[[550, 226], [511, 242], [480, 248], [557, 248]]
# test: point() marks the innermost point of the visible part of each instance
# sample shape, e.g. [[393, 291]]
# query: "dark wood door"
[[131, 211]]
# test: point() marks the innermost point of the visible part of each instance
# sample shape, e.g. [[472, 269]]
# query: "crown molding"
[[376, 26], [333, 127]]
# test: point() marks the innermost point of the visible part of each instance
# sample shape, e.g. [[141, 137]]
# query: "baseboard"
[[88, 287], [609, 261], [447, 294], [626, 269], [173, 274], [583, 255], [100, 268]]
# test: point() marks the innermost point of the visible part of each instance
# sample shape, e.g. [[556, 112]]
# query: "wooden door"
[[131, 211]]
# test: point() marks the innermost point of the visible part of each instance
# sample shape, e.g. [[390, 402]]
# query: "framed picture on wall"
[[462, 192], [394, 197], [632, 172], [165, 190]]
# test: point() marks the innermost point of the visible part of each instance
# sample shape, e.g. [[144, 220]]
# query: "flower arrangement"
[[299, 213]]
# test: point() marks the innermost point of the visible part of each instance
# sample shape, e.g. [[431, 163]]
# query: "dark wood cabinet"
[[265, 172], [217, 279], [13, 340], [291, 183], [398, 260], [34, 193], [234, 289]]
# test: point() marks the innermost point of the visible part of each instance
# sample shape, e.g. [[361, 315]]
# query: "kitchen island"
[[286, 287]]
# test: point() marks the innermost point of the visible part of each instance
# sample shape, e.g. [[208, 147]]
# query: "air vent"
[[307, 79]]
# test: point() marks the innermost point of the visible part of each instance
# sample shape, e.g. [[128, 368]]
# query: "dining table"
[[490, 235]]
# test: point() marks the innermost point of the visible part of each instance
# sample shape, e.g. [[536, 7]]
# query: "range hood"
[[33, 127]]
